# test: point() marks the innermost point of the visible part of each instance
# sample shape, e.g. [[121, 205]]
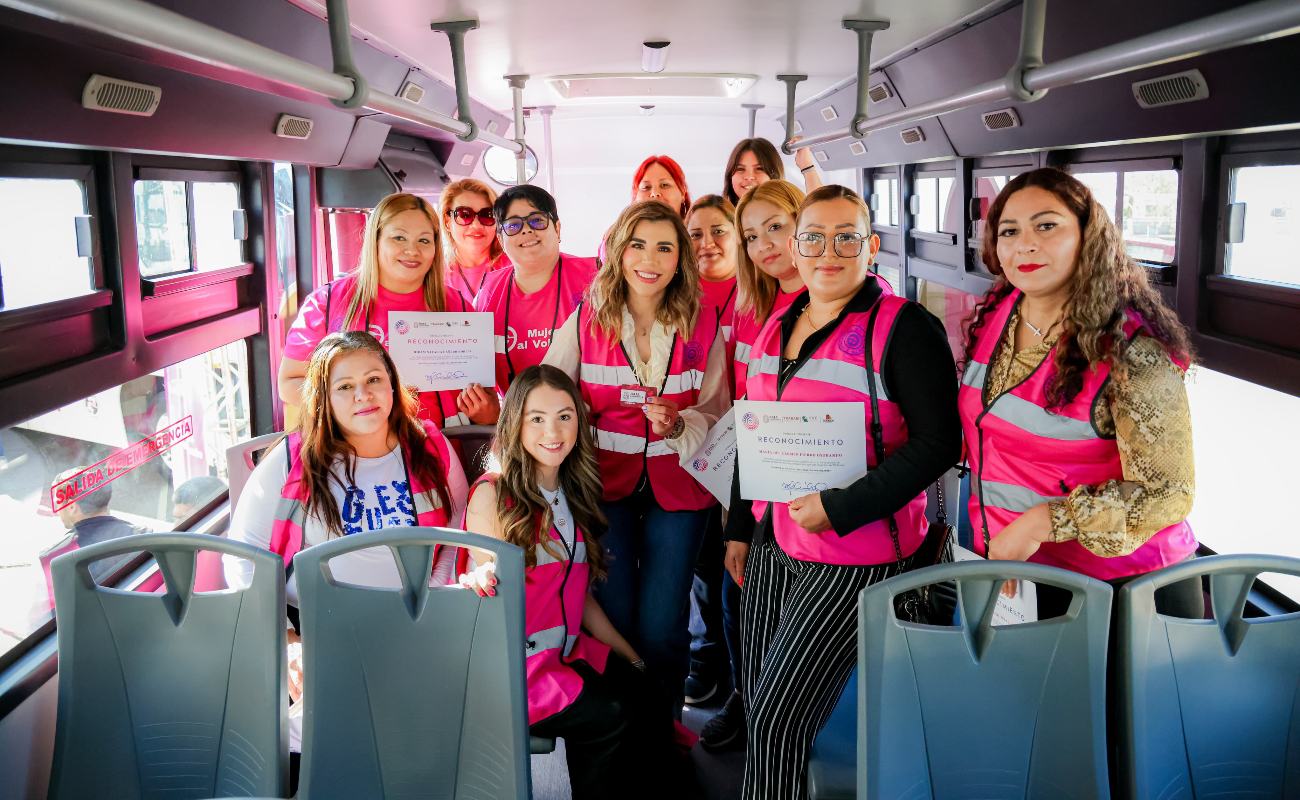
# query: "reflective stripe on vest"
[[550, 639], [1023, 454], [825, 370]]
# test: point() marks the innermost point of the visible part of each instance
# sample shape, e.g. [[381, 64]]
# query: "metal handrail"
[[166, 31], [1257, 22]]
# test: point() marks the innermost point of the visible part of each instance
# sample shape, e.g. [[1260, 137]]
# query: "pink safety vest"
[[746, 330], [437, 407], [1023, 455], [458, 282], [837, 372], [555, 592], [291, 511], [721, 295], [625, 444]]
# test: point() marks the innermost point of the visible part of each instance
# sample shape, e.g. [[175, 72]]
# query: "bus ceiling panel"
[[417, 171], [365, 144], [353, 188], [197, 116]]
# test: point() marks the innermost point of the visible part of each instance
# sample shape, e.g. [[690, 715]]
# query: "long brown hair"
[[435, 298], [323, 443], [521, 508], [681, 303], [1106, 285], [766, 155], [447, 202], [755, 289]]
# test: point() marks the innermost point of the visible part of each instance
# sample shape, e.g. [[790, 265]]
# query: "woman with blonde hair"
[[1072, 399], [584, 678], [359, 460], [470, 237], [652, 369], [400, 270]]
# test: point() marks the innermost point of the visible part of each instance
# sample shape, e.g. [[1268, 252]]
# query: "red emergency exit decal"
[[115, 466]]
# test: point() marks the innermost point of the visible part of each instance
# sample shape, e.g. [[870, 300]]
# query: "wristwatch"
[[678, 427]]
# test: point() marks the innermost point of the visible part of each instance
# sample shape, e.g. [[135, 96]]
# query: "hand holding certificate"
[[788, 450], [713, 464], [435, 351]]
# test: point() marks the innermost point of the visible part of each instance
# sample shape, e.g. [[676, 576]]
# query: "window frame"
[[951, 168], [1165, 274], [869, 176], [181, 280]]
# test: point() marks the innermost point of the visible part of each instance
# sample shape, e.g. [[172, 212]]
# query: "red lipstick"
[[1030, 267]]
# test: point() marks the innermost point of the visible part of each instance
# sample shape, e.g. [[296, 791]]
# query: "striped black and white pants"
[[799, 636]]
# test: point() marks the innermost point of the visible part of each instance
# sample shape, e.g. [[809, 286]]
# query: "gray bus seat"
[[831, 764], [473, 441], [241, 459], [982, 711], [174, 695], [413, 692], [1209, 705]]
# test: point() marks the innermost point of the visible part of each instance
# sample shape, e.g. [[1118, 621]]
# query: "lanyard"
[[723, 307], [510, 290]]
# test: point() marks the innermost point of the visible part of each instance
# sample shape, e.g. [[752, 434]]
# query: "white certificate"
[[1020, 608], [712, 465], [788, 450], [437, 350]]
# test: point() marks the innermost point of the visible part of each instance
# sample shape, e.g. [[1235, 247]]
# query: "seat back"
[[241, 459], [1209, 706], [981, 711], [173, 695], [416, 692], [473, 442]]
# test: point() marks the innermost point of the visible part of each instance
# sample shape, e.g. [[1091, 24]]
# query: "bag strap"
[[878, 430]]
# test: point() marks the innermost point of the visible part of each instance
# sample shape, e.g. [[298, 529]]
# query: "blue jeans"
[[646, 594]]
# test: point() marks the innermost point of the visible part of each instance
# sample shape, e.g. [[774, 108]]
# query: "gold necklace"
[[805, 314]]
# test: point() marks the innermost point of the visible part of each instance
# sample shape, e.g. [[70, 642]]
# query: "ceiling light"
[[654, 56], [647, 110], [643, 87]]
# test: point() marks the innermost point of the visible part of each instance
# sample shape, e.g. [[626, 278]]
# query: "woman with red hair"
[[660, 178]]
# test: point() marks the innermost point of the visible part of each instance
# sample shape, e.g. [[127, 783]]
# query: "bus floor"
[[718, 775]]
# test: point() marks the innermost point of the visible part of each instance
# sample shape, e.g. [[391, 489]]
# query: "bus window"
[[1150, 214], [1105, 188], [952, 306], [344, 229], [987, 188], [891, 276], [1268, 250], [1245, 463], [886, 204], [38, 241], [143, 456], [936, 199], [286, 250], [163, 214]]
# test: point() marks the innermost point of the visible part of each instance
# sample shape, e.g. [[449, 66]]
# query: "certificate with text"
[[788, 450], [715, 462], [436, 351]]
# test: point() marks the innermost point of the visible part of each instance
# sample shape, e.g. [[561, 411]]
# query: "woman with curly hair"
[[651, 364], [1072, 399]]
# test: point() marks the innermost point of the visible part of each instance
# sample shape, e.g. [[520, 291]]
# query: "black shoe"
[[700, 686], [727, 729]]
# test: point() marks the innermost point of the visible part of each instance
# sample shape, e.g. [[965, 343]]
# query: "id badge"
[[635, 394]]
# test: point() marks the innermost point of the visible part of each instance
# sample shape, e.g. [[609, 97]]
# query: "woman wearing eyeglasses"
[[532, 298], [470, 236], [802, 567], [400, 270]]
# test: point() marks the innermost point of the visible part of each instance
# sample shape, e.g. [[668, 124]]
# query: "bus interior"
[[176, 176]]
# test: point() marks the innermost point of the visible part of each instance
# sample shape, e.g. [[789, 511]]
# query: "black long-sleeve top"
[[919, 375]]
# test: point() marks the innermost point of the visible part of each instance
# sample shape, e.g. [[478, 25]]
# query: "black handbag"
[[930, 604]]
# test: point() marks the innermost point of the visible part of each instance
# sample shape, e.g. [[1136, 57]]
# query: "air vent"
[[291, 127], [1001, 119], [411, 91], [912, 135], [880, 93], [821, 155], [857, 148], [828, 113], [120, 97], [1182, 87]]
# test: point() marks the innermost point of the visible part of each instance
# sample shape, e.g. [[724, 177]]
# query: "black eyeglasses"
[[536, 220], [847, 245], [464, 215]]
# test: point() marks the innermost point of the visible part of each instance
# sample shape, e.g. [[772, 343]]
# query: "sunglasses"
[[464, 215], [536, 220]]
